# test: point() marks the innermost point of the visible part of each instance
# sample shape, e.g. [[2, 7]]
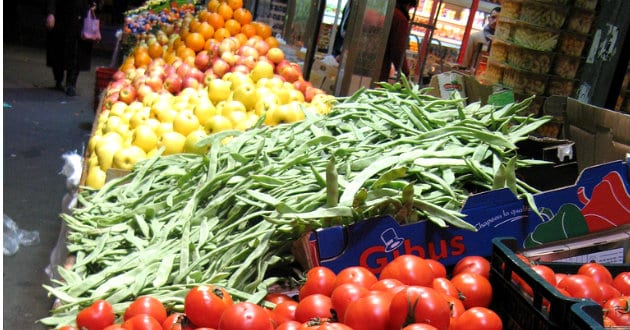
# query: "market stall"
[[221, 189]]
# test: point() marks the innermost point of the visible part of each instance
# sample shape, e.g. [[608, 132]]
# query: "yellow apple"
[[95, 178], [219, 90], [144, 137], [238, 79], [118, 108], [204, 110], [93, 141], [263, 105], [272, 115], [172, 142], [163, 128], [149, 99], [138, 118], [218, 123], [232, 106], [185, 122], [92, 161], [163, 111], [290, 112], [282, 93], [105, 151], [245, 94], [112, 124], [134, 107], [262, 69], [238, 119], [295, 95], [190, 145], [126, 157]]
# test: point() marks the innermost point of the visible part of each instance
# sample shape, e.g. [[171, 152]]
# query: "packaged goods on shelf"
[[580, 21], [525, 82], [572, 44], [586, 4], [528, 59], [499, 51], [566, 66], [494, 73], [511, 9], [560, 86], [527, 35], [546, 15]]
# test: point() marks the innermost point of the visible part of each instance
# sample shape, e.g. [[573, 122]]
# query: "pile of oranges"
[[221, 19]]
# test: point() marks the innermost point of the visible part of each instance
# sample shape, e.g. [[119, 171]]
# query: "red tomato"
[[543, 271], [419, 304], [478, 318], [343, 295], [96, 317], [473, 264], [608, 322], [618, 310], [439, 270], [142, 322], [560, 277], [314, 306], [419, 326], [276, 297], [608, 292], [205, 304], [444, 285], [409, 269], [114, 327], [456, 305], [475, 290], [245, 316], [146, 305], [581, 286], [285, 311], [622, 283], [289, 325], [356, 274], [387, 284], [325, 326], [370, 312], [318, 280], [597, 271], [172, 320]]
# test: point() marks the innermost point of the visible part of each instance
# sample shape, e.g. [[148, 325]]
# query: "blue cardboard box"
[[599, 200]]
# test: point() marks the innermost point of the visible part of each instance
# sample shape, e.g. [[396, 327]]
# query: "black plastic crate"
[[520, 311]]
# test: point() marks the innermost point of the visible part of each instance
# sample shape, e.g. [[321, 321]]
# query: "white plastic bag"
[[13, 237]]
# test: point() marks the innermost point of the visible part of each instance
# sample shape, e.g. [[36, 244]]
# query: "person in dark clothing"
[[66, 52], [477, 40], [341, 30], [395, 53]]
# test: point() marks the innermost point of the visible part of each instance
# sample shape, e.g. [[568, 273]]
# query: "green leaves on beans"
[[229, 217]]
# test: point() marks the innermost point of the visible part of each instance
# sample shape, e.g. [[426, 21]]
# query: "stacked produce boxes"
[[538, 45]]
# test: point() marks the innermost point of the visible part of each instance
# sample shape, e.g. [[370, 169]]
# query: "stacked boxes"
[[538, 45]]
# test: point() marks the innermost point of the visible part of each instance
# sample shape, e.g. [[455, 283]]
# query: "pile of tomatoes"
[[592, 281], [410, 293]]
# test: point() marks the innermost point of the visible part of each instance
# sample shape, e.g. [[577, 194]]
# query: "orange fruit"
[[142, 59], [187, 53], [242, 38], [213, 5], [243, 16], [235, 4], [155, 50], [233, 26], [203, 15], [128, 64], [221, 34], [248, 30], [209, 43], [216, 20], [263, 30], [193, 25], [225, 11], [272, 42], [195, 41], [206, 30]]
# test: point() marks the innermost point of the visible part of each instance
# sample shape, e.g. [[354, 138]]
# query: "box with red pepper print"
[[599, 200]]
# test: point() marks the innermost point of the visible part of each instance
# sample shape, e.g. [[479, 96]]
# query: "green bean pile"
[[230, 216]]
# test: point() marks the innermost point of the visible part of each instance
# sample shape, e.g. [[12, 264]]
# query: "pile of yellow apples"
[[216, 70]]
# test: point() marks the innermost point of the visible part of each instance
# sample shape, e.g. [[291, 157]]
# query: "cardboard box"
[[444, 83], [597, 201], [600, 135]]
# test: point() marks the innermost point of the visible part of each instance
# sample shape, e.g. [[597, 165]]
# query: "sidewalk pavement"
[[40, 124]]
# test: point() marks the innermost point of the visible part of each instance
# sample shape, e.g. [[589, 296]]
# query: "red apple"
[[118, 75], [275, 55], [183, 69], [302, 84], [202, 60], [156, 82], [247, 61], [246, 51], [311, 92], [142, 91], [190, 81], [173, 83], [281, 65], [241, 68], [262, 47], [127, 94], [220, 67], [109, 100], [230, 58], [290, 73]]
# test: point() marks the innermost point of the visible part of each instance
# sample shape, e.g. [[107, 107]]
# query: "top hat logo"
[[391, 239]]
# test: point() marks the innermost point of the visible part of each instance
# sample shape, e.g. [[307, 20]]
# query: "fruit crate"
[[519, 311], [103, 78]]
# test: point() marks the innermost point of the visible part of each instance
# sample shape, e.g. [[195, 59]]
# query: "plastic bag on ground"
[[13, 237]]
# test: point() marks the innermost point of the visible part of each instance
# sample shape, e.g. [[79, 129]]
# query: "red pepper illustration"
[[609, 205]]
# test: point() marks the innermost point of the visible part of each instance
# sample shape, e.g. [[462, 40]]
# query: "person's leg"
[[58, 73], [72, 69]]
